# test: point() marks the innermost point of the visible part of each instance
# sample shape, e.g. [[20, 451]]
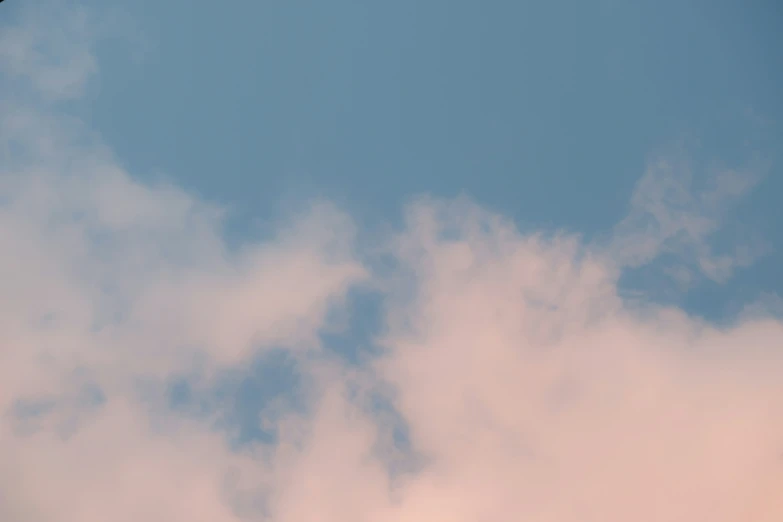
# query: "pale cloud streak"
[[528, 388], [677, 208]]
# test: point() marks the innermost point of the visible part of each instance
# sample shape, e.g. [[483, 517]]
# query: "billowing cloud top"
[[511, 380]]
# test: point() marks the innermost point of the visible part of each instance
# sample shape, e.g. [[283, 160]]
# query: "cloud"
[[50, 46], [536, 394], [671, 214], [512, 380], [51, 50], [117, 465]]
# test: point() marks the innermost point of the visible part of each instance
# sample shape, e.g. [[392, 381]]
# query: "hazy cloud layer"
[[516, 383]]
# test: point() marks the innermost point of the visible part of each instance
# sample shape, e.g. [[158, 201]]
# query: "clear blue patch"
[[240, 398], [355, 344]]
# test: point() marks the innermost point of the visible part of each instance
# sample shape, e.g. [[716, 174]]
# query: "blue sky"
[[545, 112], [545, 238]]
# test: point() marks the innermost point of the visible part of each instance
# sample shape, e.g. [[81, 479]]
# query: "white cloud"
[[529, 389]]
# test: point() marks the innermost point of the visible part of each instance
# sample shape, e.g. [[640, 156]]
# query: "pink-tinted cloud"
[[529, 388]]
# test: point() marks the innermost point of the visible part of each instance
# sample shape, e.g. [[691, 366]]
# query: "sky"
[[404, 261]]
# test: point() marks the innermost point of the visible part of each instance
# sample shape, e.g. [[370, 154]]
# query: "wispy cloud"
[[677, 209], [51, 50], [50, 46], [518, 383]]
